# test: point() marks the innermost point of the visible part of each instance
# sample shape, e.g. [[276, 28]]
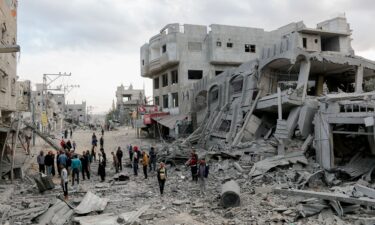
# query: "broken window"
[[218, 43], [330, 44], [195, 46], [165, 101], [229, 44], [237, 85], [157, 101], [218, 72], [249, 48], [143, 62], [195, 74], [165, 80], [214, 95], [225, 126], [174, 76], [164, 48], [59, 103], [304, 42], [156, 83], [174, 100]]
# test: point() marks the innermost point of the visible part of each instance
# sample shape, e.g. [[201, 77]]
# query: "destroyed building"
[[76, 113], [309, 83], [127, 102], [181, 55], [52, 105]]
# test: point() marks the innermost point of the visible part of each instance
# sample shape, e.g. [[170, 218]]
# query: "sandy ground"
[[121, 137]]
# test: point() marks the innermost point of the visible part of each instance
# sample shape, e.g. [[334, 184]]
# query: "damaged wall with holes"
[[308, 86], [8, 61]]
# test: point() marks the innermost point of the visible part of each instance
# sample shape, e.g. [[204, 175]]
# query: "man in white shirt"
[[64, 181]]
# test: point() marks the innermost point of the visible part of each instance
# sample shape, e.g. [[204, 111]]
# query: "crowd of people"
[[68, 163]]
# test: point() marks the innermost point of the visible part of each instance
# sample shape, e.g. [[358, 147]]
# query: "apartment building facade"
[[8, 59]]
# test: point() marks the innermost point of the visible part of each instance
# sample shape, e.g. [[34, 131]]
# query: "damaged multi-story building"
[[51, 106], [127, 102], [8, 60], [181, 55], [307, 85]]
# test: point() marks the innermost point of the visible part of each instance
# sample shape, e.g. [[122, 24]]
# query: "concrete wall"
[[8, 61]]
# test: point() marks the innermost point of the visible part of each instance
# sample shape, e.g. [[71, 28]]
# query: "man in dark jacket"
[[152, 159], [119, 157], [101, 142], [85, 165], [69, 145], [48, 162]]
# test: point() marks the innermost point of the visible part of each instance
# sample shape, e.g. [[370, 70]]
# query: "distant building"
[[52, 105], [127, 101], [77, 113]]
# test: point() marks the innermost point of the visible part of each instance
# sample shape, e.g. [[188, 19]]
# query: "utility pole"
[[69, 88], [48, 79]]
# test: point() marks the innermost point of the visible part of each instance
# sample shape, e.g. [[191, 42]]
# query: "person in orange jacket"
[[145, 162]]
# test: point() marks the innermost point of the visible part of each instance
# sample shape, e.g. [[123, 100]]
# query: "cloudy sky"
[[98, 41]]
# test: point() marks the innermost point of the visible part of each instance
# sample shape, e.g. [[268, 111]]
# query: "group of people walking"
[[68, 163]]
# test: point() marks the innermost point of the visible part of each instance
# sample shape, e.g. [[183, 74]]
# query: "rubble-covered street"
[[187, 112], [135, 200]]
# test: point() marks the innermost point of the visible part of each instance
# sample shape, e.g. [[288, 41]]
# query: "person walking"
[[69, 145], [203, 171], [62, 160], [64, 181], [71, 133], [145, 162], [40, 160], [76, 167], [74, 144], [152, 159], [85, 161], [101, 142], [115, 161], [192, 162], [130, 150], [66, 134], [102, 131], [101, 168], [53, 171], [104, 156], [48, 162], [135, 161], [94, 142], [162, 177], [62, 143], [119, 157]]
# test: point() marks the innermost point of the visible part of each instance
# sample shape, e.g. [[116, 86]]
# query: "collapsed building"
[[308, 85], [51, 106], [127, 101], [76, 113]]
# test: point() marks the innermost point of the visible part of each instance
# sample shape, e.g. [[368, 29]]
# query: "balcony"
[[161, 63]]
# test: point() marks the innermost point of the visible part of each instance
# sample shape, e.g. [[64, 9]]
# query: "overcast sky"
[[99, 41]]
